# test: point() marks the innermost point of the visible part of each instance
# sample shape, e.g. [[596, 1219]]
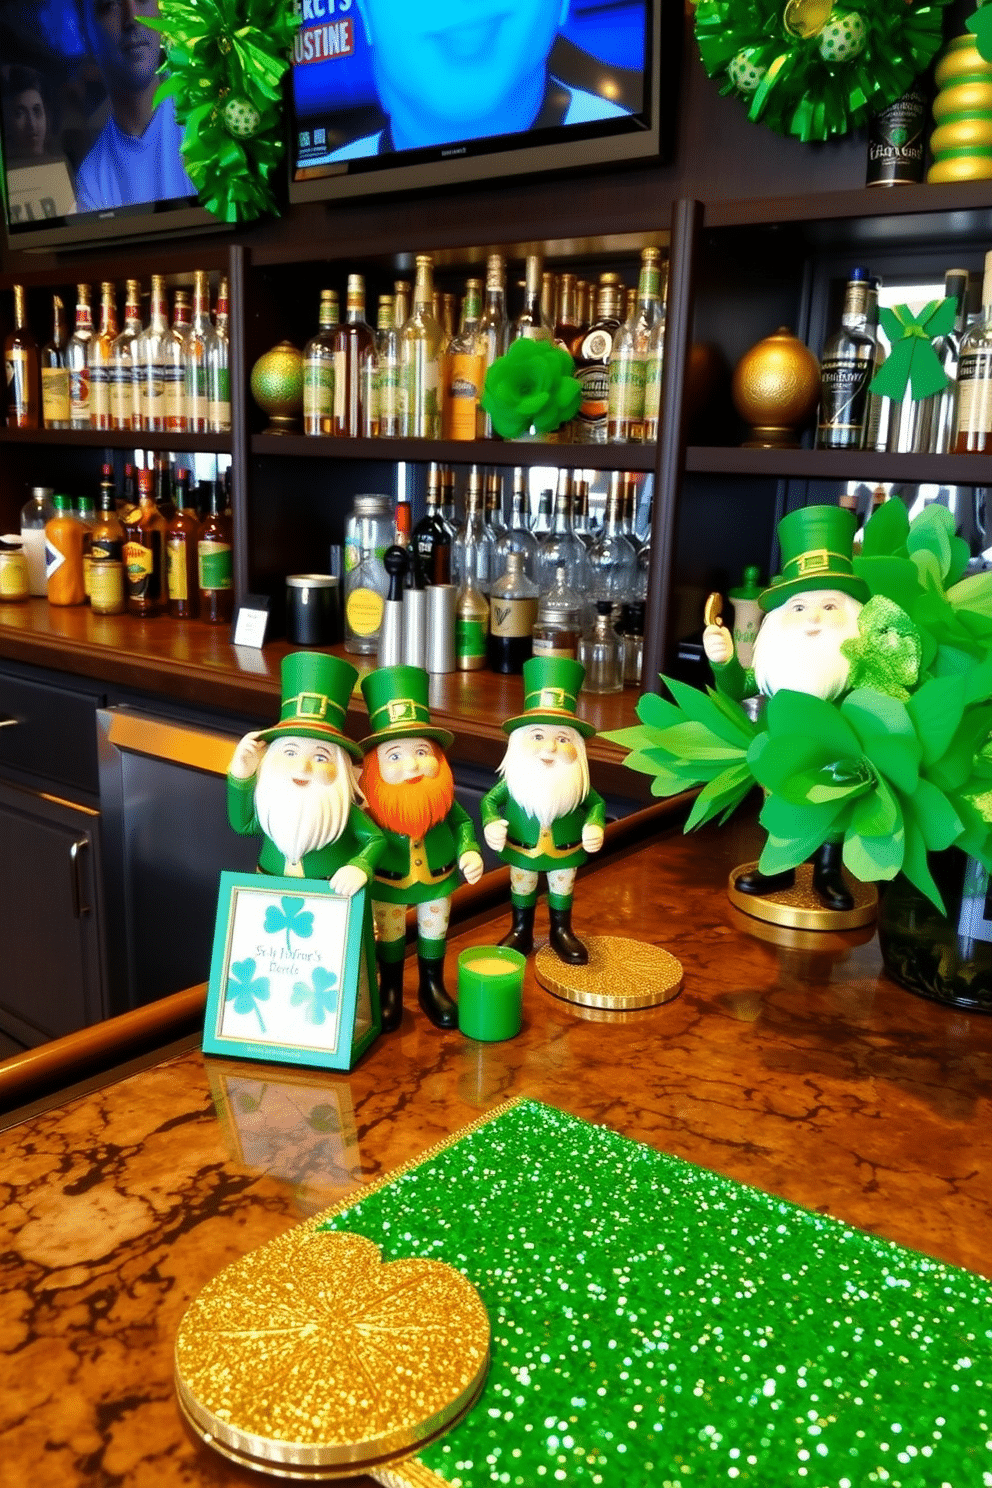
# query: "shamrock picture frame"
[[292, 975]]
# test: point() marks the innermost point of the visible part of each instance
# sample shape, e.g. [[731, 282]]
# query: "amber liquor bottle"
[[353, 344], [55, 373], [107, 539], [21, 357], [101, 355], [144, 551], [215, 563], [181, 554]]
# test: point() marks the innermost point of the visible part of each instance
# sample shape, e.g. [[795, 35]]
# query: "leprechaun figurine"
[[293, 783], [543, 816], [410, 791]]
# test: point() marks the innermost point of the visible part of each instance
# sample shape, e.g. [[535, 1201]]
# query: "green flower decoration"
[[292, 918], [812, 69], [225, 61], [319, 996], [913, 364], [531, 387], [245, 990]]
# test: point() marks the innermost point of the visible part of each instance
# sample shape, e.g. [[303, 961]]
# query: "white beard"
[[302, 819], [542, 791], [789, 660]]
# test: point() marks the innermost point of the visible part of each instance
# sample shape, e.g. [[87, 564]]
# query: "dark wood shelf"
[[460, 452], [219, 444], [905, 213], [845, 465]]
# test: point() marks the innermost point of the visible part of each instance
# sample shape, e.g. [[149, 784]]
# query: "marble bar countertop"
[[799, 1069]]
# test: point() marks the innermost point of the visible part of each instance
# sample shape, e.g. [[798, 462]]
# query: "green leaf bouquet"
[[899, 766]]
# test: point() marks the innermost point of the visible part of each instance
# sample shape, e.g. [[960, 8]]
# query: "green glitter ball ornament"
[[844, 36], [277, 386], [241, 118], [744, 73]]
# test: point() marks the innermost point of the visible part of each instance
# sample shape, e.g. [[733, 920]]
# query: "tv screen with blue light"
[[392, 95]]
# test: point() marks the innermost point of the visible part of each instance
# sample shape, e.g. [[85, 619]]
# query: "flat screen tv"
[[394, 95], [85, 157]]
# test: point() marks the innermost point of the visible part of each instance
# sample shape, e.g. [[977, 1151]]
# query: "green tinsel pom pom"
[[815, 69], [225, 61]]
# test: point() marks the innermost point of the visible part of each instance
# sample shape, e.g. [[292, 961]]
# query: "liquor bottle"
[[943, 420], [318, 369], [846, 369], [974, 422], [85, 510], [420, 356], [199, 339], [101, 358], [876, 436], [431, 538], [125, 384], [144, 551], [181, 554], [601, 653], [558, 626], [36, 513], [492, 328], [560, 548], [21, 358], [107, 537], [592, 359], [628, 484], [494, 506], [353, 341], [654, 371], [472, 550], [163, 486], [549, 299], [55, 410], [149, 360], [581, 522], [64, 556], [568, 325], [518, 537], [471, 625], [449, 507], [174, 365], [219, 368], [612, 560], [465, 369], [215, 564], [530, 323], [389, 370], [445, 310], [512, 612], [127, 505], [629, 357], [541, 524], [77, 359]]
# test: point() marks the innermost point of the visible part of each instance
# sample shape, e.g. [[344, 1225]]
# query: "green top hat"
[[315, 693], [551, 687], [396, 698], [817, 547]]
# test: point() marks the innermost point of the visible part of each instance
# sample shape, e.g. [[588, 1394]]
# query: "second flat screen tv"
[[394, 95]]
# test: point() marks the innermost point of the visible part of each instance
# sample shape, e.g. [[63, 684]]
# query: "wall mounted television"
[[85, 157], [396, 95]]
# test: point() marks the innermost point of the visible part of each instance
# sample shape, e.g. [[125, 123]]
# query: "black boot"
[[758, 883], [521, 937], [828, 880], [566, 945], [391, 994], [432, 997]]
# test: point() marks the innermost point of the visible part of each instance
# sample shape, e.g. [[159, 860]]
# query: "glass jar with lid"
[[559, 619], [368, 533]]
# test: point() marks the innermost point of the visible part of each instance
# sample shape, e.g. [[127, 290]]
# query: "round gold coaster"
[[310, 1358], [799, 908], [621, 974]]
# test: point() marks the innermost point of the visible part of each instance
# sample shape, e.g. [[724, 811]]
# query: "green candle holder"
[[490, 992]]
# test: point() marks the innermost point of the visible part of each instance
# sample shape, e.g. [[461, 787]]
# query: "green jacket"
[[402, 875], [733, 680], [530, 846], [360, 843]]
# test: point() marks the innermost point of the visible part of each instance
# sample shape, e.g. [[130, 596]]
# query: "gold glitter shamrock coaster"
[[310, 1358]]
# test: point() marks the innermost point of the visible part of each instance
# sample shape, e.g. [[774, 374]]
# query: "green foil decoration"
[[913, 365], [531, 387], [225, 61], [806, 68]]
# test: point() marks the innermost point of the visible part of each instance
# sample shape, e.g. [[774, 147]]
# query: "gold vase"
[[277, 387], [961, 144], [776, 387]]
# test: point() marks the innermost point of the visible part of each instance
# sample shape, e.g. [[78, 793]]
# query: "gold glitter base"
[[310, 1357], [800, 908], [622, 975]]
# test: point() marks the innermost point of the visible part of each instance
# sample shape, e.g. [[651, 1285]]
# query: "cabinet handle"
[[78, 907], [9, 722]]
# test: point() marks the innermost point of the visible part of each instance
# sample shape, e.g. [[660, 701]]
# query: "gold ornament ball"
[[277, 386], [776, 388]]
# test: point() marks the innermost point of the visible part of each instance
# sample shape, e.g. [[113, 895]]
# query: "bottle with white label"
[[219, 368], [77, 359], [35, 515]]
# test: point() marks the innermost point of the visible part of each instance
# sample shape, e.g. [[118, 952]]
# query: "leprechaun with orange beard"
[[410, 794]]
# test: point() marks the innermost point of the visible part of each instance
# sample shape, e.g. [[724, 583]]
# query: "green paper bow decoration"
[[225, 61], [812, 68], [531, 387], [980, 26], [913, 365]]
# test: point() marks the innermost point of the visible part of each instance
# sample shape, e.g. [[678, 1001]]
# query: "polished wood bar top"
[[190, 661], [797, 1067]]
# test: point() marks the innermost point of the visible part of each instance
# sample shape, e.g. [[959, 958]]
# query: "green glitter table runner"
[[654, 1322]]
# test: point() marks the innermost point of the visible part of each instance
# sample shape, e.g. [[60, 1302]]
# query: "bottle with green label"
[[214, 563], [747, 614]]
